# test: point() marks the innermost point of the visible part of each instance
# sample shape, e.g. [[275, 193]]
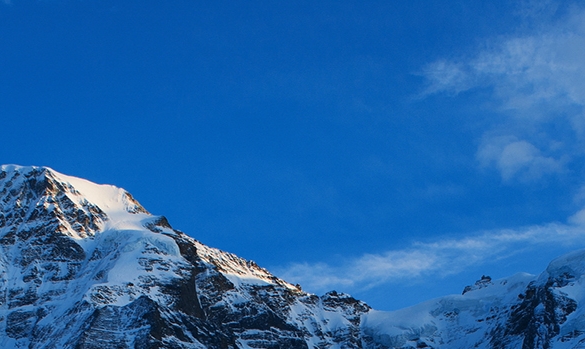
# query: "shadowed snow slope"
[[86, 266]]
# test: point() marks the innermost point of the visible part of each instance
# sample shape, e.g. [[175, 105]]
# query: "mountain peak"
[[84, 265], [79, 208]]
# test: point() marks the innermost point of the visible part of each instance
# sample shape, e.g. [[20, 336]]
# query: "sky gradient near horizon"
[[393, 151]]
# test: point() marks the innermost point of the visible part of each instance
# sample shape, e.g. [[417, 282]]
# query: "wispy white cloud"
[[439, 258], [525, 70], [537, 83], [517, 158], [446, 76], [537, 8]]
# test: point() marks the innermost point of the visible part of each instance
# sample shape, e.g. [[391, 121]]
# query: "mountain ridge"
[[84, 265], [70, 260]]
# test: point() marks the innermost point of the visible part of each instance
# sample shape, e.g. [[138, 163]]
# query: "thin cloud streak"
[[439, 258], [524, 71]]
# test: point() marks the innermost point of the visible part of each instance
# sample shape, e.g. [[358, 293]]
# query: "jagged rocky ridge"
[[86, 266]]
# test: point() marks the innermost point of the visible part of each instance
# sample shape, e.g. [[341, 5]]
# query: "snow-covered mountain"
[[86, 266], [522, 311]]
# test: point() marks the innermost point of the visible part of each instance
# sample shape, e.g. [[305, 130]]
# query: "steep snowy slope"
[[85, 266]]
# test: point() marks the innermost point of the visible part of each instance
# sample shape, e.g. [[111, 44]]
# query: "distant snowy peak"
[[569, 266], [82, 208], [521, 311]]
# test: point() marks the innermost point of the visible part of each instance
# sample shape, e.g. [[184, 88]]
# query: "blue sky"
[[396, 152]]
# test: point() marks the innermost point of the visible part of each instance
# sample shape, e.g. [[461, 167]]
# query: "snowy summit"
[[86, 266]]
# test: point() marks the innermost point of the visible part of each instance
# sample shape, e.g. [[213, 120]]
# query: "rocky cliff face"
[[86, 266]]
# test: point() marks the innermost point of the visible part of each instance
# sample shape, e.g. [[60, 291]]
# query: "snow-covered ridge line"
[[124, 213], [85, 266], [239, 270]]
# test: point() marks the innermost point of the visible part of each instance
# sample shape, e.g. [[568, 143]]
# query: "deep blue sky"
[[395, 151]]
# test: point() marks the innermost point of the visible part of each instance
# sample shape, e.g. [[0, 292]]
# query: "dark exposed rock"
[[536, 319], [479, 284], [19, 323]]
